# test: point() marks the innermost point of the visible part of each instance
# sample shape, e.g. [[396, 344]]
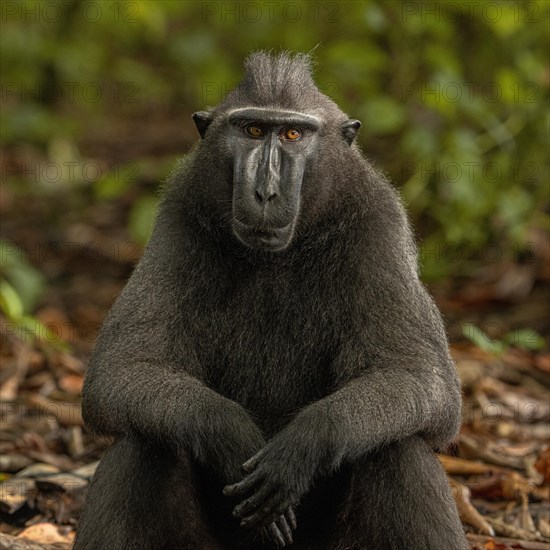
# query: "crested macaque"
[[274, 373]]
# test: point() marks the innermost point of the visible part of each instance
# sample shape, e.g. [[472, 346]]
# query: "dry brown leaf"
[[542, 362], [518, 432], [45, 533], [71, 383], [13, 462], [468, 514], [513, 532], [502, 486], [57, 322], [70, 363], [472, 448], [14, 492], [525, 519], [9, 542], [461, 466], [542, 465], [484, 542], [66, 413]]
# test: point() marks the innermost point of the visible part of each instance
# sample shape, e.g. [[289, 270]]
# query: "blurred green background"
[[97, 100]]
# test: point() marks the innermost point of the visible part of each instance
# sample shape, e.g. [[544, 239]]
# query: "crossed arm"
[[396, 387], [378, 407], [181, 411], [400, 381]]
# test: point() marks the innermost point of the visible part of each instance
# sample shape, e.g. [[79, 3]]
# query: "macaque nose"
[[263, 196]]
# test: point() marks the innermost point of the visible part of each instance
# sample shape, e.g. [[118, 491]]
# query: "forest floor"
[[499, 467]]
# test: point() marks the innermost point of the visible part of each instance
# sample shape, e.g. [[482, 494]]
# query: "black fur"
[[328, 356]]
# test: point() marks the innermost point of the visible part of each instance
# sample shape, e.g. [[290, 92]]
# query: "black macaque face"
[[271, 149]]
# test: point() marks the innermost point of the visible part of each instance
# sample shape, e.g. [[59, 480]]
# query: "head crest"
[[278, 80]]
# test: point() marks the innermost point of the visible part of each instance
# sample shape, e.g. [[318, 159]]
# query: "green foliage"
[[527, 339], [452, 95], [115, 183], [142, 217], [21, 286], [10, 301]]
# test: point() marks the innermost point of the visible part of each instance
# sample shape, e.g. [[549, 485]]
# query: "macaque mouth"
[[269, 238], [263, 234]]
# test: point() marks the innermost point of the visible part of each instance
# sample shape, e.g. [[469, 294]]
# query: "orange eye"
[[292, 134], [254, 131]]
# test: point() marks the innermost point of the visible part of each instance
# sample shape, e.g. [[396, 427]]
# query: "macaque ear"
[[202, 121], [350, 129]]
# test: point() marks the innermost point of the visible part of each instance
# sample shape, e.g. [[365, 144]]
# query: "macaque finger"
[[244, 486], [268, 513], [291, 517], [251, 504], [251, 463], [285, 529], [276, 535]]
